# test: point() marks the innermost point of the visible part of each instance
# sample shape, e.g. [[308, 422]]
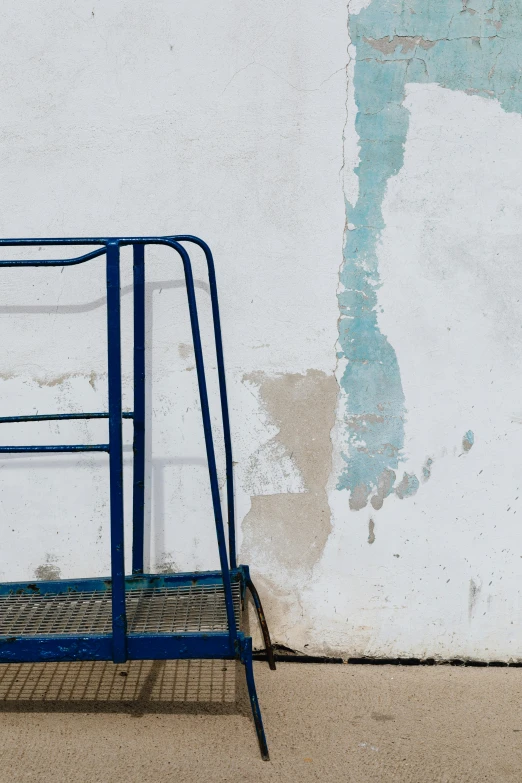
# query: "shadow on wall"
[[154, 466]]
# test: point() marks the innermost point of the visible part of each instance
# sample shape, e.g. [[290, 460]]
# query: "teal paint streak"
[[475, 47]]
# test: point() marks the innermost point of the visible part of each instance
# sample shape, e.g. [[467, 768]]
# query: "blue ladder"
[[141, 616]]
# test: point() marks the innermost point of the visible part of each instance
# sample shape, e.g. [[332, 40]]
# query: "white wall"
[[228, 121]]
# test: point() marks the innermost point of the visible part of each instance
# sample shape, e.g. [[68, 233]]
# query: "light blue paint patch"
[[475, 47], [468, 440], [426, 469], [408, 486]]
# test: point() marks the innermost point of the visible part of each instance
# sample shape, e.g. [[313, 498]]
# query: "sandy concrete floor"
[[189, 721]]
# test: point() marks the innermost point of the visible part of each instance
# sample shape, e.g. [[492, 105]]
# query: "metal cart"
[[142, 616]]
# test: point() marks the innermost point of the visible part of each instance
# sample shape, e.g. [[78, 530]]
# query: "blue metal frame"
[[120, 645]]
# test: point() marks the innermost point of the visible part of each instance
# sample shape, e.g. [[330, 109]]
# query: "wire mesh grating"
[[170, 610]]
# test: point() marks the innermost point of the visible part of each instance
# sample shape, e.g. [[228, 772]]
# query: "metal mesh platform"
[[169, 610]]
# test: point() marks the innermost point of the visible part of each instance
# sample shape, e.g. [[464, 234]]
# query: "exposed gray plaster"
[[407, 42], [292, 528]]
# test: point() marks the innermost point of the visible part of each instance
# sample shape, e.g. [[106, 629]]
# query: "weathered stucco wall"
[[357, 171]]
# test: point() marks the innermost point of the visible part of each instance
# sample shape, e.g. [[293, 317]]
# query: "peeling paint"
[[371, 531], [476, 50], [303, 409], [468, 440], [426, 470], [408, 486], [407, 43], [385, 484]]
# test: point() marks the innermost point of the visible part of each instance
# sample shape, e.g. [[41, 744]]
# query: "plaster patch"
[[358, 497], [303, 409], [407, 43], [385, 484]]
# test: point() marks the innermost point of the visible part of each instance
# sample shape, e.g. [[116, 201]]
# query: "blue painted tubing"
[[135, 582], [139, 242], [55, 241], [207, 428], [56, 262], [218, 339], [138, 488], [112, 249], [60, 416], [150, 646], [56, 449], [119, 619], [97, 647], [55, 648], [246, 657]]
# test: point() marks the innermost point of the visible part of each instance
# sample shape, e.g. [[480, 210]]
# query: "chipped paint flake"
[[468, 440], [408, 486]]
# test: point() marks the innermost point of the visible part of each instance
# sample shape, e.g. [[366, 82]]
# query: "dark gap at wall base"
[[286, 655]]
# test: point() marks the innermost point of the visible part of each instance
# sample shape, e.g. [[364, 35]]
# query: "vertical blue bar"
[[224, 404], [138, 489], [119, 620], [222, 390], [209, 441]]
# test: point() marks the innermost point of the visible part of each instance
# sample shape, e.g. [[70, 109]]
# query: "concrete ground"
[[189, 721]]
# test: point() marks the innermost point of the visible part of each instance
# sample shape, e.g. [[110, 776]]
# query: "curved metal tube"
[[222, 390], [207, 426], [262, 622]]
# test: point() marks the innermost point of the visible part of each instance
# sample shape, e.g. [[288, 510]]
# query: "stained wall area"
[[357, 171]]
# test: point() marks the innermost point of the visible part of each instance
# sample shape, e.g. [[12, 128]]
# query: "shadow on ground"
[[136, 688]]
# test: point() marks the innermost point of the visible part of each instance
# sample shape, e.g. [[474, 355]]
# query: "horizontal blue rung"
[[44, 449], [57, 262], [60, 416]]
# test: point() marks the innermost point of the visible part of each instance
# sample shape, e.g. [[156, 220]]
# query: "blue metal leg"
[[138, 489], [119, 618], [262, 622], [246, 658], [207, 429], [218, 340]]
